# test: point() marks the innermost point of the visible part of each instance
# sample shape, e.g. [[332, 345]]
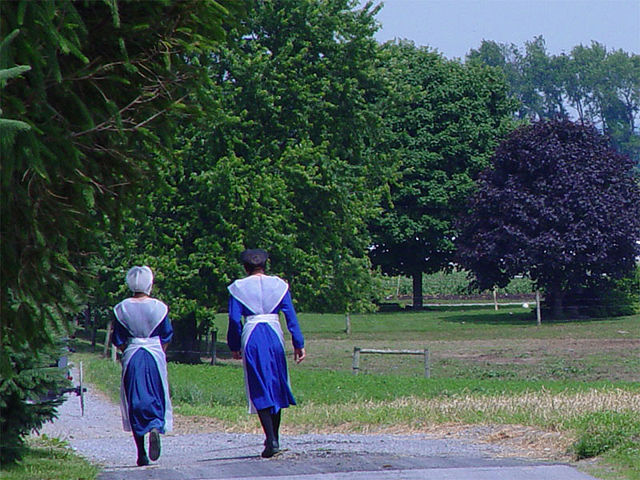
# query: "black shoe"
[[154, 444], [271, 450], [143, 461]]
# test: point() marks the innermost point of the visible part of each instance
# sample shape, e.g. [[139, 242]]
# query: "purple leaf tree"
[[559, 205]]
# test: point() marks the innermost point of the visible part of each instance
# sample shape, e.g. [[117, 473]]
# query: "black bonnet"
[[254, 257]]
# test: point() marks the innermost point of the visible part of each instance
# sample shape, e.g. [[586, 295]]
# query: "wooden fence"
[[357, 351]]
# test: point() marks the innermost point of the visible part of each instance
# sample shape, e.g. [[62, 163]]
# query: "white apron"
[[142, 326], [273, 320]]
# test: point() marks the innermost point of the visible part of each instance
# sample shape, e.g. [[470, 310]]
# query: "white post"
[[347, 324], [538, 316], [495, 297]]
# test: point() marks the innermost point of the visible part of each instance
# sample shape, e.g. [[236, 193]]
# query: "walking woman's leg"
[[271, 443], [142, 453], [275, 418]]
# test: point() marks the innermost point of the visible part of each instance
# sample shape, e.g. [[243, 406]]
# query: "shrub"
[[602, 432], [613, 298], [25, 399]]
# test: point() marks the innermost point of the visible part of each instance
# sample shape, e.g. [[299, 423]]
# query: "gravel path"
[[98, 436]]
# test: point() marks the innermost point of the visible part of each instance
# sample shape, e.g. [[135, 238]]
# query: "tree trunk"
[[557, 307], [94, 327], [184, 348], [417, 289]]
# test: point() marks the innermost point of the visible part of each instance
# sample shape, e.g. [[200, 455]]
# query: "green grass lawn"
[[49, 459], [579, 380]]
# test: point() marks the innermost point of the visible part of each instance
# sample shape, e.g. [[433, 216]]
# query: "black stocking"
[[142, 453], [275, 418], [139, 439], [266, 420]]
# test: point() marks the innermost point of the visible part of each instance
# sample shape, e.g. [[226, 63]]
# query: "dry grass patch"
[[530, 425], [517, 440], [540, 408]]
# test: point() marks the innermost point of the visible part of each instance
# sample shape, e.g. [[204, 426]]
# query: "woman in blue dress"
[[142, 332], [260, 342]]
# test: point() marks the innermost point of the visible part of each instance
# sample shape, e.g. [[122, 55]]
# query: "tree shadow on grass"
[[80, 344], [506, 318], [511, 318]]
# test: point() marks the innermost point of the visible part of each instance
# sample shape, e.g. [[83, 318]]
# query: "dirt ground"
[[536, 348], [613, 359], [591, 359]]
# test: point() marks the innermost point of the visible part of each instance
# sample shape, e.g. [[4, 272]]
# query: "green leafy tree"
[[98, 82], [510, 61], [543, 79], [443, 120], [620, 100], [285, 159], [591, 83]]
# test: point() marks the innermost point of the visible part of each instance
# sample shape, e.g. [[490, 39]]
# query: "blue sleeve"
[[286, 306], [234, 332], [120, 335], [164, 330]]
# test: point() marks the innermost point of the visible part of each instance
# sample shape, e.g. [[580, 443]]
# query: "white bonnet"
[[140, 279]]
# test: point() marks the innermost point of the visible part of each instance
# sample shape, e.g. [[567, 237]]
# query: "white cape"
[[259, 293]]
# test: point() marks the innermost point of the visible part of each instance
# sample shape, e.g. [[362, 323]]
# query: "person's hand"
[[299, 354], [237, 355]]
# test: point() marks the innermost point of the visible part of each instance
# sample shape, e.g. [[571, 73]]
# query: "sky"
[[453, 27]]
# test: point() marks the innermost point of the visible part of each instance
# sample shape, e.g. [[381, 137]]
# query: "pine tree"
[[88, 92]]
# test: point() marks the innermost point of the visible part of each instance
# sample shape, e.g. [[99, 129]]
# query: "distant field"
[[477, 344], [445, 284]]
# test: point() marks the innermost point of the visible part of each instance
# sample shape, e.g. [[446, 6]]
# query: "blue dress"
[[142, 382], [266, 374]]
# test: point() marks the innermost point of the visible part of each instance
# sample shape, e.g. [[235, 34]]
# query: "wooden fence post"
[[107, 339], [538, 315], [356, 360], [495, 297], [427, 371], [94, 328], [347, 326], [214, 338]]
